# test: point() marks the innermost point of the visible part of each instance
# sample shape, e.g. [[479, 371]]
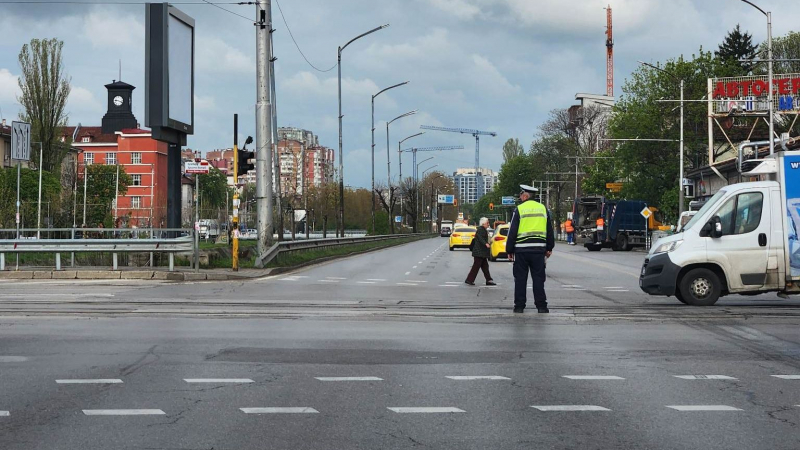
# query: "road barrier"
[[97, 240], [294, 246]]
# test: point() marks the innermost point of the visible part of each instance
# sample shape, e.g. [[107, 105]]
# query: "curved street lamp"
[[373, 146], [769, 81], [341, 162], [388, 156]]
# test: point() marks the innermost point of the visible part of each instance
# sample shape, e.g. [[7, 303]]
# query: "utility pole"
[[276, 173], [264, 123]]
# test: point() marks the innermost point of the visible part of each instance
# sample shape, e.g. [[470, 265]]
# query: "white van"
[[742, 241]]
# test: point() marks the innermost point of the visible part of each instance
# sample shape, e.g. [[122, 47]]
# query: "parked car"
[[447, 228], [462, 237], [498, 242]]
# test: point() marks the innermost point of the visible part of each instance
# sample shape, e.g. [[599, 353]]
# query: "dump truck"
[[616, 224]]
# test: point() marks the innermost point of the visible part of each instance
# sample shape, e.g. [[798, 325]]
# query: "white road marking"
[[420, 262], [365, 282], [415, 281], [376, 279], [290, 279], [328, 281], [571, 285], [123, 412], [787, 377], [477, 377], [452, 282], [426, 409], [570, 408], [703, 408], [407, 284], [618, 290], [6, 359], [91, 381], [4, 414], [704, 377], [593, 377], [414, 267], [336, 278], [613, 287], [448, 285], [218, 380], [408, 273], [349, 379], [280, 410], [575, 289]]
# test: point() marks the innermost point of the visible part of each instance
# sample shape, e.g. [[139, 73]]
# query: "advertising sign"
[[508, 201], [791, 178], [21, 141], [749, 93], [446, 199]]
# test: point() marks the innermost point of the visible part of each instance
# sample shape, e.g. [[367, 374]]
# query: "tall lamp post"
[[341, 164], [400, 161], [423, 197], [373, 147], [769, 81], [388, 154], [680, 176], [416, 187]]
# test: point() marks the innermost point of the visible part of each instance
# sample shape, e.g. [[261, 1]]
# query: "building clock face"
[[118, 100]]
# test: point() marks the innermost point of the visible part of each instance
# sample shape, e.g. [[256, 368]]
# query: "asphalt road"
[[390, 350]]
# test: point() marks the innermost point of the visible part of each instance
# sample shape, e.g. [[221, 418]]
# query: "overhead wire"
[[297, 45]]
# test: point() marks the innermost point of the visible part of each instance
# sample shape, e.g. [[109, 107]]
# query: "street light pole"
[[769, 70], [388, 157], [341, 164], [681, 199], [416, 187], [373, 147]]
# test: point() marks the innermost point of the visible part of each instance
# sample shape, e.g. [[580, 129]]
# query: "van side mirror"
[[716, 224]]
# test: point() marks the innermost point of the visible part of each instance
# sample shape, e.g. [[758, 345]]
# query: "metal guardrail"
[[93, 240], [291, 246]]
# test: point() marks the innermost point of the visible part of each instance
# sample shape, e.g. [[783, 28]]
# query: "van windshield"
[[711, 203]]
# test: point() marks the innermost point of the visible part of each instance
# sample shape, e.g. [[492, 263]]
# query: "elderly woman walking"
[[480, 254]]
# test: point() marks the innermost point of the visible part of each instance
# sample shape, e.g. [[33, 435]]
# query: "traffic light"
[[245, 157], [491, 206]]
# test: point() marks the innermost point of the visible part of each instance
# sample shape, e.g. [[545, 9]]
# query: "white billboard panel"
[[181, 55]]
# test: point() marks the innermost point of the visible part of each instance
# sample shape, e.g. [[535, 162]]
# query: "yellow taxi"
[[498, 242], [462, 236]]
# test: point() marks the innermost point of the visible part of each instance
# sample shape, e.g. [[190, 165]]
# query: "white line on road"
[[618, 290], [91, 381], [426, 409], [452, 282], [477, 377], [704, 377], [703, 408], [414, 267], [365, 282], [408, 273], [376, 279], [328, 281], [613, 287], [575, 289], [349, 378], [4, 414], [336, 278], [448, 285], [280, 410], [218, 380], [407, 284], [415, 281], [571, 285], [787, 377], [570, 408], [289, 279], [123, 412], [593, 377], [6, 359], [420, 262]]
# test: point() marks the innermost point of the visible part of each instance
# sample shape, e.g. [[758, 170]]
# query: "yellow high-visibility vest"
[[532, 230]]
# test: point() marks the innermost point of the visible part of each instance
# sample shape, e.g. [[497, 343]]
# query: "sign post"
[[21, 151], [507, 201], [646, 213], [197, 168]]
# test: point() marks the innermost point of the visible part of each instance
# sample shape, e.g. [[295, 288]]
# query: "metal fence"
[[283, 248], [95, 245]]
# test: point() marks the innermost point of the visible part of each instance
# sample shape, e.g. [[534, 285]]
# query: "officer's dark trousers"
[[533, 263]]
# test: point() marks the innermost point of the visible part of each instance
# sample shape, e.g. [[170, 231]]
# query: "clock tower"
[[120, 111]]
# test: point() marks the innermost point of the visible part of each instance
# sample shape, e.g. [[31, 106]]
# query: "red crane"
[[609, 56]]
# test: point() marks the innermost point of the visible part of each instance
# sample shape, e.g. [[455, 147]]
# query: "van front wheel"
[[700, 287]]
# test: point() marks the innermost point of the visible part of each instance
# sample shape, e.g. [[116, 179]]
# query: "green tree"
[[735, 47], [45, 90], [511, 149], [604, 170], [515, 171], [29, 196], [101, 188], [784, 47], [214, 190]]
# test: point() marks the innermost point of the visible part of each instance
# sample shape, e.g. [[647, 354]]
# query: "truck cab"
[[742, 241]]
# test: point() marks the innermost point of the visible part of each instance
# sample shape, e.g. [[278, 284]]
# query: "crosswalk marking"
[[95, 381], [548, 408], [704, 377], [123, 412], [787, 377], [425, 409], [349, 378], [280, 410], [703, 408], [477, 377], [4, 414], [218, 380], [593, 377]]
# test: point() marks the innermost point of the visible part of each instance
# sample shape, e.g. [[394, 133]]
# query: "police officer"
[[530, 242]]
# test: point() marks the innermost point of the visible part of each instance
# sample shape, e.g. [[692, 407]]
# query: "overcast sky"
[[497, 65]]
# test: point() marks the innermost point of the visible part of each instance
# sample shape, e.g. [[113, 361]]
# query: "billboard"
[[791, 178], [743, 95], [169, 72]]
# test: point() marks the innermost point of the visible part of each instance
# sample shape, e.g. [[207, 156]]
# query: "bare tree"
[[388, 197], [45, 90]]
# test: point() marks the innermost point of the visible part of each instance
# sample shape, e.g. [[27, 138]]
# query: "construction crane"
[[476, 133], [414, 151], [609, 55]]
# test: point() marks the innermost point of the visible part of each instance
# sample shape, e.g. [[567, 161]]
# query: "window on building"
[[136, 202], [136, 180], [88, 158], [111, 159], [86, 139], [136, 158]]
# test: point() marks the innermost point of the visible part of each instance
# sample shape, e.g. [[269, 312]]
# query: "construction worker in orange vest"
[[570, 229], [601, 229]]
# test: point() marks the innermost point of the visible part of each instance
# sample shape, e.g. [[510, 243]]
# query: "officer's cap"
[[528, 189]]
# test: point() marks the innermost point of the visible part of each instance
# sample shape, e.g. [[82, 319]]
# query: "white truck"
[[744, 240]]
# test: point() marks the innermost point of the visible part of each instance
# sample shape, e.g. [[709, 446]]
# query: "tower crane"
[[477, 134], [414, 151], [609, 55]]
